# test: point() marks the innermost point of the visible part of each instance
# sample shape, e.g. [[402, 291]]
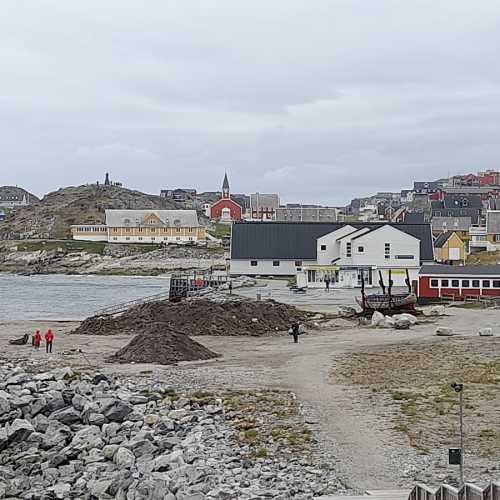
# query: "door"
[[454, 253]]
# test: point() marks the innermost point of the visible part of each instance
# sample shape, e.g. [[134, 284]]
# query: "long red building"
[[459, 282]]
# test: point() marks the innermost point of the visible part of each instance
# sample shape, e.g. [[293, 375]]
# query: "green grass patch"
[[68, 246]]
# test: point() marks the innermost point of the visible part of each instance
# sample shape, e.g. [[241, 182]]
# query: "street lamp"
[[459, 388]]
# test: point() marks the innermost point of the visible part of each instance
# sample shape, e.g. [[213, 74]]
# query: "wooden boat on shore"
[[384, 301], [387, 301]]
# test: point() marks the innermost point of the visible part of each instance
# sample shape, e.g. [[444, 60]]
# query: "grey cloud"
[[320, 101]]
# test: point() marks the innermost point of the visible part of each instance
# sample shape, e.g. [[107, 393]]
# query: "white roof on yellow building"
[[167, 218]]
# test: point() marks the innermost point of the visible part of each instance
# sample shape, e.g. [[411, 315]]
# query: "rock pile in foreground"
[[159, 345], [70, 436], [199, 317]]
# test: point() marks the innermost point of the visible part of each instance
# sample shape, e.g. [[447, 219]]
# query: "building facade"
[[306, 213], [458, 282], [226, 210], [449, 248], [263, 206], [144, 226], [339, 252]]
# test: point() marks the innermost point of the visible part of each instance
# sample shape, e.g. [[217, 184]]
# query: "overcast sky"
[[318, 100]]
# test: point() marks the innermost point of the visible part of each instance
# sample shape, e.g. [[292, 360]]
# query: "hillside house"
[[449, 248], [339, 251], [144, 226]]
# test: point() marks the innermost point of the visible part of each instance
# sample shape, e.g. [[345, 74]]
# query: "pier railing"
[[446, 492]]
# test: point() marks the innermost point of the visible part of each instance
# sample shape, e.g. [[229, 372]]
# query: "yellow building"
[[144, 226], [449, 248]]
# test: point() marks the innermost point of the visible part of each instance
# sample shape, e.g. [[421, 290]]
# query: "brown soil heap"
[[199, 317], [157, 344]]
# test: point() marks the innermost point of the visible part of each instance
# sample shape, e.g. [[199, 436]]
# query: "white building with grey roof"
[[339, 252]]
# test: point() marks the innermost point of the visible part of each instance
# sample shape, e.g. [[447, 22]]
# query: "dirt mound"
[[157, 344], [199, 317]]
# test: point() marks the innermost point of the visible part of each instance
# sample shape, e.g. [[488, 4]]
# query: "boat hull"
[[385, 302]]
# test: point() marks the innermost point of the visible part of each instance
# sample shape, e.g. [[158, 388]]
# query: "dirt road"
[[368, 453]]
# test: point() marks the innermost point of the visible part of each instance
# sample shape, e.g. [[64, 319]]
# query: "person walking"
[[37, 339], [294, 332], [327, 283], [49, 340]]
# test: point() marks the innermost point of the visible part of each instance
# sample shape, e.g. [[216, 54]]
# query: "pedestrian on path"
[[49, 340], [37, 339], [327, 283], [294, 332]]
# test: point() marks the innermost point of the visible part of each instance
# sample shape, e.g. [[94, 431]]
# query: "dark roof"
[[461, 270], [297, 240], [414, 218], [442, 239], [462, 201]]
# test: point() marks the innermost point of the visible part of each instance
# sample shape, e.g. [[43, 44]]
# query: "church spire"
[[225, 187]]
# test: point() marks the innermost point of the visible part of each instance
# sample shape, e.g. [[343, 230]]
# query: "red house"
[[226, 210], [458, 282]]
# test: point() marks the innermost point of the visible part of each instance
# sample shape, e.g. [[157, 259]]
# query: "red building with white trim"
[[226, 209], [458, 282]]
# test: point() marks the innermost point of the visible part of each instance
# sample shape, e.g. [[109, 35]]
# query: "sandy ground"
[[369, 452]]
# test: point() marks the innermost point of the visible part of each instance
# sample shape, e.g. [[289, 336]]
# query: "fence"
[[445, 492]]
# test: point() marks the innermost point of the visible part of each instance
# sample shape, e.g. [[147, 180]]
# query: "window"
[[348, 251], [434, 283], [475, 283], [253, 263], [298, 263], [361, 249], [115, 238], [465, 283], [387, 250], [406, 257], [140, 238], [140, 229], [323, 247], [455, 283], [496, 283], [276, 263], [445, 283], [497, 237], [486, 283], [127, 238]]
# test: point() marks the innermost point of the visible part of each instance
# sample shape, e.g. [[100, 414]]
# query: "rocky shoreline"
[[67, 434], [114, 260]]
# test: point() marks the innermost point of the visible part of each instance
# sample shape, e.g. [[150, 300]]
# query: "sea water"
[[70, 297]]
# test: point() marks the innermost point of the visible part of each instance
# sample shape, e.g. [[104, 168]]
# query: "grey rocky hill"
[[52, 216]]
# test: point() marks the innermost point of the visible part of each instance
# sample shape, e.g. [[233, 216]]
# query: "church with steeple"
[[226, 209]]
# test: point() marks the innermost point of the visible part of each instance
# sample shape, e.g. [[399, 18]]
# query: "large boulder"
[[377, 319], [347, 312], [409, 317], [124, 457], [485, 332], [402, 324], [444, 331], [66, 416], [19, 430], [435, 311], [116, 410]]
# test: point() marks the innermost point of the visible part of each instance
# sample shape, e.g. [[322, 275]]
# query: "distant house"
[[340, 251], [14, 197], [179, 195], [226, 210], [306, 213], [2, 215], [449, 248], [263, 206], [144, 226], [458, 206]]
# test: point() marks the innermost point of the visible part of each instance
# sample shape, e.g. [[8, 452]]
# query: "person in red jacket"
[[37, 339], [49, 339]]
